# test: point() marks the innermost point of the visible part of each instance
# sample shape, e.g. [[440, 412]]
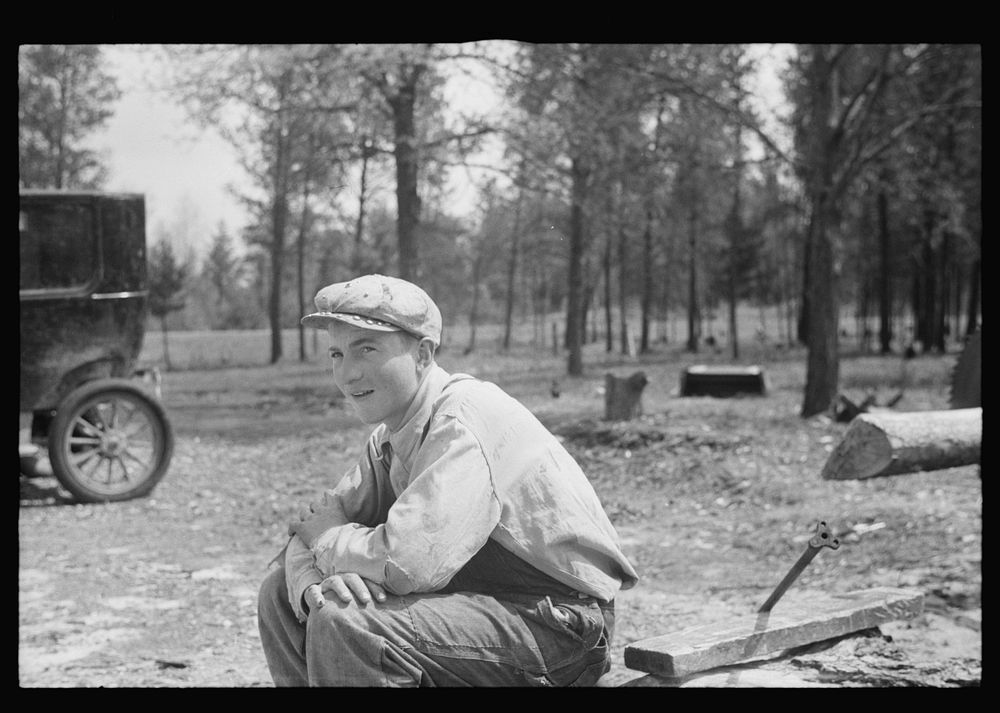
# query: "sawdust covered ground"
[[714, 500]]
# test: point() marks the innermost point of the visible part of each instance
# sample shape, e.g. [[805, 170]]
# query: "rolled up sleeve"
[[300, 573]]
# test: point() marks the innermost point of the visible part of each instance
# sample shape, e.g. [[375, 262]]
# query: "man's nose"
[[349, 371]]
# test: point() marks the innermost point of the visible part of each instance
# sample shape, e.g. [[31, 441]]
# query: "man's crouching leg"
[[281, 634], [361, 645]]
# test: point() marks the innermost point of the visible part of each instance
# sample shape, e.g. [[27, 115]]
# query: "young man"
[[465, 548]]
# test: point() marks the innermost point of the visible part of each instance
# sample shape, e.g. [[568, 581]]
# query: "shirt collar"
[[406, 438]]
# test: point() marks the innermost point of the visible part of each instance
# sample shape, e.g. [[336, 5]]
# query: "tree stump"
[[879, 444], [623, 396]]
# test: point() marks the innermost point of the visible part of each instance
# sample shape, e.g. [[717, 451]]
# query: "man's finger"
[[376, 590], [336, 585], [314, 597], [357, 586]]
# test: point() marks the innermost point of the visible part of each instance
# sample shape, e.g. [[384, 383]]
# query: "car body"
[[83, 309]]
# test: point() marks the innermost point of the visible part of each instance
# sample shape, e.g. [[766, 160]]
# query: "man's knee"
[[334, 619], [356, 645], [346, 626], [273, 592]]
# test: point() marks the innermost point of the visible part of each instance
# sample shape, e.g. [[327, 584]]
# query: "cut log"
[[880, 444], [623, 396], [816, 618]]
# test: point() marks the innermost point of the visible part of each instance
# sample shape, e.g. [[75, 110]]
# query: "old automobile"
[[83, 299]]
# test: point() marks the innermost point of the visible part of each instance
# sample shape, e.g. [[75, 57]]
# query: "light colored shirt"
[[468, 463]]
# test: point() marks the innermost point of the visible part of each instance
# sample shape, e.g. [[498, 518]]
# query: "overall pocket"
[[582, 621], [582, 626]]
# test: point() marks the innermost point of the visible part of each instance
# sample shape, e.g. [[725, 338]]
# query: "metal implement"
[[822, 538]]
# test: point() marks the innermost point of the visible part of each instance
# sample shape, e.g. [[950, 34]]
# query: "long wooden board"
[[809, 619]]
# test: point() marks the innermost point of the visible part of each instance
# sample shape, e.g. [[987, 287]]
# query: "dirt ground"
[[713, 498]]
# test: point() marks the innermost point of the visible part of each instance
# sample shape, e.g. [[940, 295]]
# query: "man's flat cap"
[[378, 302]]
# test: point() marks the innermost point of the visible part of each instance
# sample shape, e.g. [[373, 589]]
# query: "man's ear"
[[425, 352]]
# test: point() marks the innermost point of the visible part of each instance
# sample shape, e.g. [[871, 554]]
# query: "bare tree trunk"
[[279, 217], [300, 286], [574, 307], [609, 340], [63, 110], [885, 275], [802, 329], [515, 242], [647, 281], [356, 258], [735, 242], [665, 303], [788, 294], [975, 271], [593, 302], [474, 311], [958, 287], [166, 351], [862, 332], [972, 310], [926, 284], [940, 308], [693, 316], [623, 282], [407, 197], [277, 268], [647, 251], [822, 363], [537, 316], [300, 249], [735, 230], [733, 336]]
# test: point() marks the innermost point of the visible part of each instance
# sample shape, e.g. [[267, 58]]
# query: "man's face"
[[378, 372]]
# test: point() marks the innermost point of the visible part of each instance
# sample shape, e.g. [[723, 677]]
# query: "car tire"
[[110, 441]]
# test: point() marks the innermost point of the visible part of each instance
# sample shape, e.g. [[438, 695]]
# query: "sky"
[[151, 148]]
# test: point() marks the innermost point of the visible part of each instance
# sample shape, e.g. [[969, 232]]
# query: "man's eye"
[[367, 349], [335, 355]]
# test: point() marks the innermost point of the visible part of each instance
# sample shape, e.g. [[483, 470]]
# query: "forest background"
[[628, 194], [633, 206]]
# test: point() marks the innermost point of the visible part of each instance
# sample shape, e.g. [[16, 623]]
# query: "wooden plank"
[[881, 444], [725, 678], [806, 620]]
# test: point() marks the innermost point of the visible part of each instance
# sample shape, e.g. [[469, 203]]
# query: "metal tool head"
[[823, 537]]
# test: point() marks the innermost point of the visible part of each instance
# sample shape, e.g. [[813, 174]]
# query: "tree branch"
[[748, 122], [862, 156], [483, 131]]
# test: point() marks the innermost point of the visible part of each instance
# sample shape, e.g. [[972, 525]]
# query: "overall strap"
[[453, 380]]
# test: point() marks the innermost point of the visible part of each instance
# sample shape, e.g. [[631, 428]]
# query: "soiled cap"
[[378, 302]]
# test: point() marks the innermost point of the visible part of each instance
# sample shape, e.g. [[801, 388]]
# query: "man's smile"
[[361, 394]]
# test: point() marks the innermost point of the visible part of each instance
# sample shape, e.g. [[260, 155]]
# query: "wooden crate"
[[722, 381]]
